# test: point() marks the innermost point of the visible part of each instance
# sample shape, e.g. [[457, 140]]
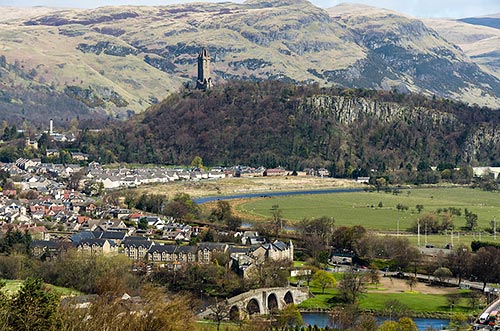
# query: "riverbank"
[[247, 185], [322, 320], [393, 294], [383, 313]]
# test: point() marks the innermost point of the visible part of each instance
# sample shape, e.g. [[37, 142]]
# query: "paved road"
[[494, 306]]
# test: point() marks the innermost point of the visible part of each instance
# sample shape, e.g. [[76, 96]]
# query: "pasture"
[[378, 210], [13, 285]]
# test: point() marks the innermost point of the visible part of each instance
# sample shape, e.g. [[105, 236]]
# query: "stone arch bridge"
[[261, 301]]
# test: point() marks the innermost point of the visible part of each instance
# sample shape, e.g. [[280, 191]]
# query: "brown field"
[[396, 285], [230, 186]]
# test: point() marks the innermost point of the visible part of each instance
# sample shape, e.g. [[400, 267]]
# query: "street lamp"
[[418, 231], [451, 313], [495, 228]]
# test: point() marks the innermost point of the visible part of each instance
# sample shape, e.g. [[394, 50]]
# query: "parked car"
[[400, 274]]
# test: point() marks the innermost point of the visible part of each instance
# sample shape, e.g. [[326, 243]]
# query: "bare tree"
[[352, 286], [395, 309], [474, 298], [316, 233], [453, 299], [220, 311], [443, 274], [459, 262], [374, 276], [411, 281], [343, 317], [485, 265]]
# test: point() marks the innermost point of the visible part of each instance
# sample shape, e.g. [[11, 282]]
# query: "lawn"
[[319, 300], [376, 299], [204, 325], [12, 286], [377, 210], [417, 302]]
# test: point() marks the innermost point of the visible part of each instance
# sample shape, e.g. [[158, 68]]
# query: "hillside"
[[492, 21], [403, 53], [118, 61], [271, 124], [480, 43]]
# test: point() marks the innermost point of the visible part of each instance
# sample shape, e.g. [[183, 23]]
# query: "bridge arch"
[[272, 302], [261, 301], [234, 313], [253, 307]]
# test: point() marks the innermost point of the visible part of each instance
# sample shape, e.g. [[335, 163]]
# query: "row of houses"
[[127, 177], [144, 249], [33, 174]]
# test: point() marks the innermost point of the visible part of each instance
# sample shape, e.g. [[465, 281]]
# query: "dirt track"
[[396, 285]]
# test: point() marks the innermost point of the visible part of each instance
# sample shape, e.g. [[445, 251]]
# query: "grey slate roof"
[[77, 237]]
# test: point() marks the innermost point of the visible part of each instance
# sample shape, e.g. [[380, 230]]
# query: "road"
[[494, 306]]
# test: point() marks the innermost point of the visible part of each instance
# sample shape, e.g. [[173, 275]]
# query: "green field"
[[12, 286], [362, 208], [417, 302], [377, 301]]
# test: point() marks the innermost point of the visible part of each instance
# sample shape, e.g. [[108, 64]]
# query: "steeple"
[[204, 80]]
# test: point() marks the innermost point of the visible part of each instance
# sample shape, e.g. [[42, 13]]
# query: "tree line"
[[274, 123]]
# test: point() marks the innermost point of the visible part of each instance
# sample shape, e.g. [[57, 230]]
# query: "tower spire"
[[204, 80]]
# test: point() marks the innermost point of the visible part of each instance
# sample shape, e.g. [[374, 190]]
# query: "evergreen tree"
[[33, 308]]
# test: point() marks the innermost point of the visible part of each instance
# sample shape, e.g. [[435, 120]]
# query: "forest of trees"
[[351, 132], [274, 123]]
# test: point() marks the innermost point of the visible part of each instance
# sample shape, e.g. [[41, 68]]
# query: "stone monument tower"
[[204, 80]]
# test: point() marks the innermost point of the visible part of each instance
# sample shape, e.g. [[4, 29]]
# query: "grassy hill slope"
[[121, 60]]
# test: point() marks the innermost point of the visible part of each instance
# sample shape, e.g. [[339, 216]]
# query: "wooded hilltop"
[[295, 126]]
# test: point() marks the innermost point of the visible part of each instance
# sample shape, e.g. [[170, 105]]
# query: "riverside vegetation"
[[110, 277]]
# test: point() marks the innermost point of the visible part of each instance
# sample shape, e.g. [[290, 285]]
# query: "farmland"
[[378, 210]]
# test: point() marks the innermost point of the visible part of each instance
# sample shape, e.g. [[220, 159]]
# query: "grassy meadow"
[[377, 210], [376, 298], [13, 285]]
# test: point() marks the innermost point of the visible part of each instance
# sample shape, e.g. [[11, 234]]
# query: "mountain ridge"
[[121, 60]]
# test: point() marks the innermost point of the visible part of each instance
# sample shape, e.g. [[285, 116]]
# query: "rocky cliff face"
[[478, 142], [349, 110], [275, 123], [138, 55], [482, 145]]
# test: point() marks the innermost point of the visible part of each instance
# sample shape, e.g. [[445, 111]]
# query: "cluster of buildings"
[[243, 258], [59, 218], [116, 178]]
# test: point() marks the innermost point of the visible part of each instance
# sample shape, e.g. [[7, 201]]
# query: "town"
[[350, 178]]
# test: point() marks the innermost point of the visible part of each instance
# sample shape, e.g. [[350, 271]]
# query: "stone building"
[[204, 80]]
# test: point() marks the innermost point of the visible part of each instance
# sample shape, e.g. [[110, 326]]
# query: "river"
[[322, 320], [274, 194]]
